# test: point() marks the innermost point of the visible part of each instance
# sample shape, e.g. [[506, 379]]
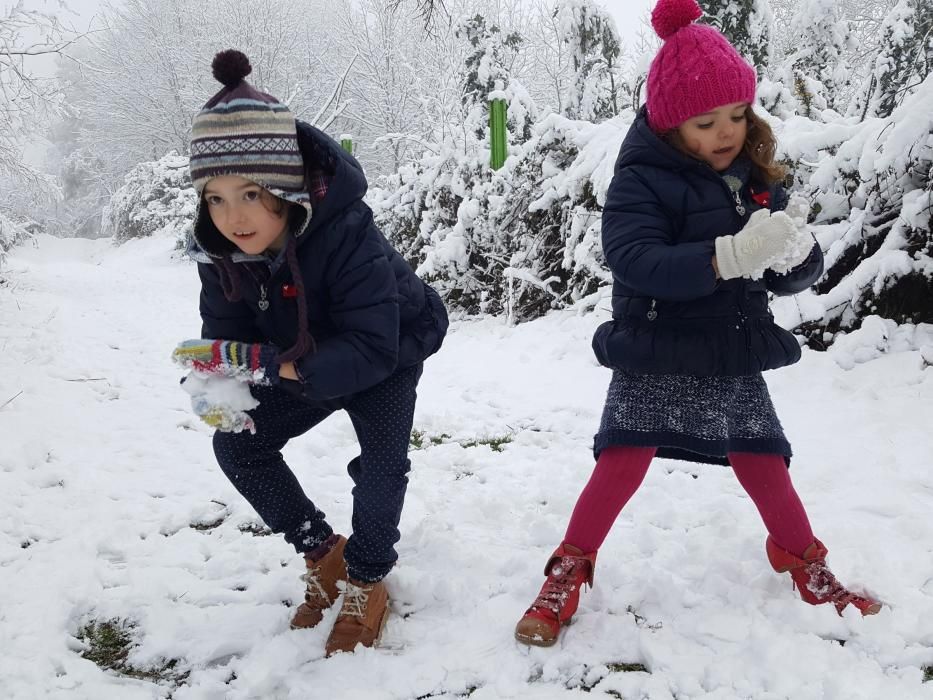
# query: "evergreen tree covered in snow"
[[157, 199], [906, 58], [595, 53], [818, 69], [747, 26], [487, 76]]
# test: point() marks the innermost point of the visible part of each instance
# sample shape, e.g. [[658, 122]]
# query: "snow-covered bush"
[[746, 24], [521, 240], [157, 199], [599, 92], [11, 233], [873, 190]]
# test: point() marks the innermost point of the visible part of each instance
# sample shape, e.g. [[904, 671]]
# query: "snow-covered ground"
[[111, 507]]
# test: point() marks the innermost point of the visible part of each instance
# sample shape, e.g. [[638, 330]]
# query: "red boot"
[[567, 570], [815, 581]]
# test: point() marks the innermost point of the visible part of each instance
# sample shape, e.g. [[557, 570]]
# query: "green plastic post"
[[497, 134], [346, 143]]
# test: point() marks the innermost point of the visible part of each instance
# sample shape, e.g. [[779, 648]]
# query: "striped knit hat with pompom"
[[241, 131], [695, 71]]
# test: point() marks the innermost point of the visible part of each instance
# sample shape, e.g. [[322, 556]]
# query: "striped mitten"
[[255, 363]]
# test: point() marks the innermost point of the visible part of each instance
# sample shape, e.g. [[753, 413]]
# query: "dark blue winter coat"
[[670, 314], [368, 312]]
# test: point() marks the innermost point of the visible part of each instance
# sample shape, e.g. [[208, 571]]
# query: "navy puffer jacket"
[[368, 312], [670, 314]]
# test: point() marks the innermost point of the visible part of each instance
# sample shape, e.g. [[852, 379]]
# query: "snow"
[[104, 474], [224, 399]]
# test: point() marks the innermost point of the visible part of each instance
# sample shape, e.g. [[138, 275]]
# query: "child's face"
[[245, 214], [716, 137]]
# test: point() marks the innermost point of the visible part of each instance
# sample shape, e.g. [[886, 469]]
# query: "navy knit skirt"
[[698, 419]]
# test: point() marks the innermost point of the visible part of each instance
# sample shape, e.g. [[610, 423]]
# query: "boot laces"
[[315, 587], [825, 586], [560, 583], [355, 600]]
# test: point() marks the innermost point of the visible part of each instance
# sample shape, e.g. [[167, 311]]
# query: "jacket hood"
[[321, 156], [642, 146]]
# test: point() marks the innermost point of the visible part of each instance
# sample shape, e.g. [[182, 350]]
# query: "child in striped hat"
[[305, 301]]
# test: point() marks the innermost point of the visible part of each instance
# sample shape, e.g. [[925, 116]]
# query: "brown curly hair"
[[760, 147]]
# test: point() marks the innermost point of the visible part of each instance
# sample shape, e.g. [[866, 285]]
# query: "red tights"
[[620, 471]]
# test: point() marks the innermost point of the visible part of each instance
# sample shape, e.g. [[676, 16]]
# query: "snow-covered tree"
[[486, 76], [25, 99], [403, 89], [156, 199], [816, 65], [873, 191], [28, 102], [518, 241], [905, 59], [638, 61], [596, 52], [148, 72], [746, 24]]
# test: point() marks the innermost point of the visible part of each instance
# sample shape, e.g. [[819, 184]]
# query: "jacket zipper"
[[652, 312]]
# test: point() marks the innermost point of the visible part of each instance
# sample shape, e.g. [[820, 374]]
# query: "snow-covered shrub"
[[905, 59], [157, 199], [11, 233], [746, 24], [521, 240], [816, 67], [598, 91], [873, 187]]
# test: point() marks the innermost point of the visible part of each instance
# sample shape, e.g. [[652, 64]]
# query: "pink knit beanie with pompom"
[[696, 69]]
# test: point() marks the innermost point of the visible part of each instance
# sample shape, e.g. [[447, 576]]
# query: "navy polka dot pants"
[[382, 418]]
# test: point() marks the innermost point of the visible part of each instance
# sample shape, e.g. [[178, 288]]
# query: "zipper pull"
[[739, 207], [263, 302], [652, 314]]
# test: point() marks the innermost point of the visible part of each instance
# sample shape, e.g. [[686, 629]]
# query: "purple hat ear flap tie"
[[696, 69]]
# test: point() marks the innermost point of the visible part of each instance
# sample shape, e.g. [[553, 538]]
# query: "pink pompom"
[[670, 15]]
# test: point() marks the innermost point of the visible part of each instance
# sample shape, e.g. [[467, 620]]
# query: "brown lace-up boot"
[[814, 581], [567, 570], [362, 617], [321, 578]]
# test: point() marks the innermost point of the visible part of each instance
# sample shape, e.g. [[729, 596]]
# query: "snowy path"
[[104, 473]]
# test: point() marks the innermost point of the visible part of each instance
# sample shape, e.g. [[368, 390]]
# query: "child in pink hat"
[[697, 230]]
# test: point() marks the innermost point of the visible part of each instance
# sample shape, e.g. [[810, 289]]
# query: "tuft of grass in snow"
[[622, 667], [254, 529], [927, 674], [495, 442], [444, 694], [108, 645], [421, 440], [205, 526]]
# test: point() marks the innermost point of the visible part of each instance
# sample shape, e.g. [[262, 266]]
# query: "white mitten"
[[765, 240]]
